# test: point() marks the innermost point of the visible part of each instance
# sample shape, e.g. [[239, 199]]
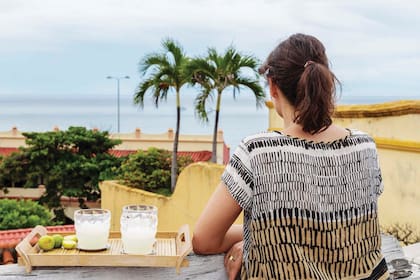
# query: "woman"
[[309, 192]]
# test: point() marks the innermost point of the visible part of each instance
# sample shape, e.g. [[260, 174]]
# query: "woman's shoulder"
[[355, 133], [263, 136], [267, 139]]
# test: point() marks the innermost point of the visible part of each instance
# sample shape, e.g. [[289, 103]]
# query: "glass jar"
[[138, 229], [92, 228]]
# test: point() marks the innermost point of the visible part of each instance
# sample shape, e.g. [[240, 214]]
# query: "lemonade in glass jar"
[[138, 229], [92, 228]]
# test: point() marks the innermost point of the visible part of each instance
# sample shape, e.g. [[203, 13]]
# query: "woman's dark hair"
[[298, 66]]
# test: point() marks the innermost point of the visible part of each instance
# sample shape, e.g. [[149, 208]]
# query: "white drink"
[[138, 228], [138, 240], [92, 228], [92, 236]]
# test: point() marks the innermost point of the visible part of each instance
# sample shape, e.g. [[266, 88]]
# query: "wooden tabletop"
[[200, 267]]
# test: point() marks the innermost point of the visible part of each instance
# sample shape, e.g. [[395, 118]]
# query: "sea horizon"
[[238, 118]]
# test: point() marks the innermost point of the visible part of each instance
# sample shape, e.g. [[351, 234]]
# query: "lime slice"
[[69, 244]]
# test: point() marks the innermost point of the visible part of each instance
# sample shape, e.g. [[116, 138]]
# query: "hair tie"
[[309, 62]]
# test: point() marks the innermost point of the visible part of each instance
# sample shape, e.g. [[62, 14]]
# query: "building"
[[198, 146]]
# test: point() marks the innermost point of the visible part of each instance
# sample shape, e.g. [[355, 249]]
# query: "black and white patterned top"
[[310, 209]]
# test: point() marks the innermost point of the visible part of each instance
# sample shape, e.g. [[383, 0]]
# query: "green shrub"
[[23, 214], [151, 170]]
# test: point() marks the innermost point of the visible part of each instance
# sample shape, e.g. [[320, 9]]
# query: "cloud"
[[49, 22], [366, 40]]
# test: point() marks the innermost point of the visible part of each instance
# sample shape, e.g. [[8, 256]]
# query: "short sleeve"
[[377, 174], [378, 178], [238, 177]]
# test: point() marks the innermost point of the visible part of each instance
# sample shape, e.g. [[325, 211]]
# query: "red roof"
[[121, 153], [10, 238], [196, 156], [7, 151]]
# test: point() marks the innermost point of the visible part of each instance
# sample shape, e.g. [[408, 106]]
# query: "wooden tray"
[[171, 248]]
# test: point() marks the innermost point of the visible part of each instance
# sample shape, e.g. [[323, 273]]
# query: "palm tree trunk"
[[174, 166], [216, 125]]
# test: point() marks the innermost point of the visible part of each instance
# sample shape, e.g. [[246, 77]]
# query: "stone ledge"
[[386, 109], [396, 144]]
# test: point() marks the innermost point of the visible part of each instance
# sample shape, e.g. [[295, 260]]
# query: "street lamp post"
[[118, 97]]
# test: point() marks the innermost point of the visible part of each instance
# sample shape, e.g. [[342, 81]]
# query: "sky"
[[55, 47]]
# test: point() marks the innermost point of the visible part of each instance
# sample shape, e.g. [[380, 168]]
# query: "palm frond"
[[159, 94], [254, 86], [249, 61], [159, 87], [231, 59], [141, 91], [214, 58], [200, 103], [153, 60], [174, 48], [200, 70]]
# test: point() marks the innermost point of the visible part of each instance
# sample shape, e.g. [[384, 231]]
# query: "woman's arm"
[[214, 232]]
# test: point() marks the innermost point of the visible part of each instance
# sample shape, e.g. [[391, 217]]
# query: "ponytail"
[[298, 66], [315, 93]]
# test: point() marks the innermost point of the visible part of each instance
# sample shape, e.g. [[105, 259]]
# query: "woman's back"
[[310, 208]]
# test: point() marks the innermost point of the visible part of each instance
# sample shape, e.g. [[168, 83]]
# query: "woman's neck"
[[330, 134]]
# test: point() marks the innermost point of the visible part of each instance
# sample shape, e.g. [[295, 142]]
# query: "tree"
[[150, 170], [161, 73], [69, 163], [13, 170], [217, 72]]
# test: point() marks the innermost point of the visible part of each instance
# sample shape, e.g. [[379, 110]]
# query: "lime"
[[72, 237], [58, 240], [46, 242], [69, 244]]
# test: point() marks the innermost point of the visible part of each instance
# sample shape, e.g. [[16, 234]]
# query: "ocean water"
[[238, 117]]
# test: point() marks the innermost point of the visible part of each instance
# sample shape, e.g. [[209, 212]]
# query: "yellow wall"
[[400, 201], [194, 187], [404, 127], [12, 139], [393, 120]]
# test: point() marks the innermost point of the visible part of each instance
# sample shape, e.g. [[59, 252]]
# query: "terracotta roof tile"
[[7, 257], [10, 238], [7, 151], [196, 156], [121, 153]]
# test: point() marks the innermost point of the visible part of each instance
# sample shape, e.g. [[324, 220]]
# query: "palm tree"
[[217, 72], [161, 73]]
